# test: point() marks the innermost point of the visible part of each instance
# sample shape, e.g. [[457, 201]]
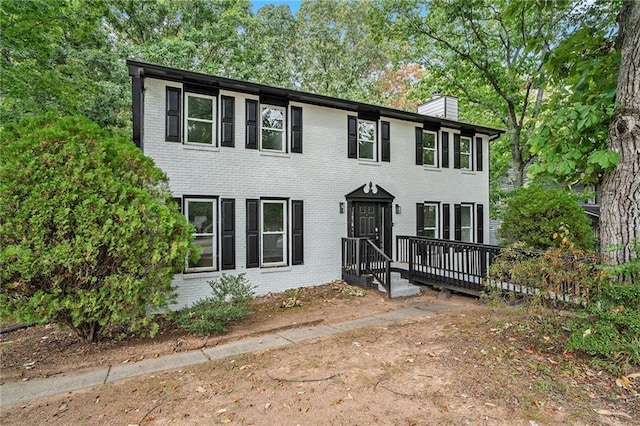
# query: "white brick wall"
[[320, 176]]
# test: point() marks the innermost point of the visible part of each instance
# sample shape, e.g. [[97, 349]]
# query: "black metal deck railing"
[[362, 259], [456, 265]]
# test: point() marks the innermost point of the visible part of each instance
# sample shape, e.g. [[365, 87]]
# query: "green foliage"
[[56, 56], [89, 237], [230, 301], [563, 274], [536, 216], [570, 137], [609, 326]]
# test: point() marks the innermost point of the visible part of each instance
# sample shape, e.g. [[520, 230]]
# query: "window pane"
[[272, 139], [430, 216], [428, 157], [464, 145], [273, 217], [428, 140], [272, 118], [365, 150], [206, 255], [201, 216], [465, 216], [200, 108], [466, 235], [272, 248], [464, 161], [199, 132], [431, 233], [366, 131]]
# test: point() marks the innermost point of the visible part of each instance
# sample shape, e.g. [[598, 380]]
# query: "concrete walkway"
[[19, 392]]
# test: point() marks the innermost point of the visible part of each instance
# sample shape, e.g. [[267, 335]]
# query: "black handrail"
[[361, 256]]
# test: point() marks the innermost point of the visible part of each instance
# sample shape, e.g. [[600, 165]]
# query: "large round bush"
[[88, 236], [534, 214]]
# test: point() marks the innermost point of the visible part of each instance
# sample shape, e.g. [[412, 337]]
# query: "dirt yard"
[[471, 364]]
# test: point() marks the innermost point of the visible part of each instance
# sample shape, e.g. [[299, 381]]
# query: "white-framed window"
[[429, 148], [466, 223], [273, 229], [272, 128], [201, 213], [430, 217], [367, 140], [465, 153], [199, 123]]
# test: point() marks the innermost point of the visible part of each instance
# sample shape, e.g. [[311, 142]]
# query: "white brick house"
[[272, 179]]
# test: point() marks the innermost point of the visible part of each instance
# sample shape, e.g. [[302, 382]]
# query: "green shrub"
[[535, 214], [569, 274], [230, 301], [89, 236], [609, 325]]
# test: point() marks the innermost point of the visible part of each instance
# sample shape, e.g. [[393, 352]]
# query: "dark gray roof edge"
[[176, 74]]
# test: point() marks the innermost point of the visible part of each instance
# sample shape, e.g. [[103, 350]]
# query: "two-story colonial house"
[[272, 179]]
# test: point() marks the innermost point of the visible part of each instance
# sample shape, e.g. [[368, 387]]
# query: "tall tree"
[[56, 56], [621, 186], [338, 54], [489, 53], [570, 139]]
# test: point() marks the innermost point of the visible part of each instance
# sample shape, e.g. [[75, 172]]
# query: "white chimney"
[[441, 107]]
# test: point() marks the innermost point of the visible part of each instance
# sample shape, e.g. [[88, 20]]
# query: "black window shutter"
[[296, 129], [419, 154], [445, 149], [419, 219], [297, 240], [352, 136], [228, 233], [479, 154], [173, 121], [480, 223], [446, 222], [253, 233], [386, 141], [457, 209], [251, 117], [456, 151], [228, 112]]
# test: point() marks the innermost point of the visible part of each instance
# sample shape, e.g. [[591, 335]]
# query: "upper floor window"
[[465, 153], [366, 140], [201, 213], [429, 148], [272, 129], [199, 119], [430, 217]]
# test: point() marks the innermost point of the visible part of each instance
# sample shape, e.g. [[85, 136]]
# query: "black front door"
[[368, 221]]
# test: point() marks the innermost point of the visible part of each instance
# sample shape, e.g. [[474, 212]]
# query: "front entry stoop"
[[400, 287]]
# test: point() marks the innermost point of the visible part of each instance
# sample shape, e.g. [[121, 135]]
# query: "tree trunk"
[[620, 211]]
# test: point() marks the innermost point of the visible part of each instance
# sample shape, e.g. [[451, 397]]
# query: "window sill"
[[199, 275], [198, 147], [468, 172], [432, 169], [368, 162], [270, 269], [275, 154]]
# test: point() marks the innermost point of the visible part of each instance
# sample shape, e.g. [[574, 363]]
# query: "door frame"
[[372, 194]]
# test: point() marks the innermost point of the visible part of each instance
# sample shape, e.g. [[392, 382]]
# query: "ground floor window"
[[201, 213], [430, 220], [273, 230], [466, 223]]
